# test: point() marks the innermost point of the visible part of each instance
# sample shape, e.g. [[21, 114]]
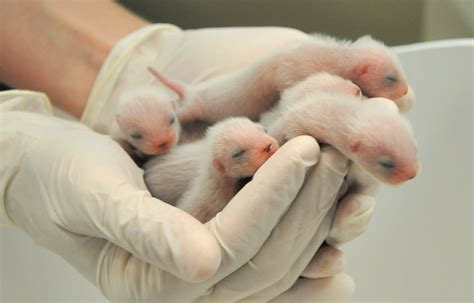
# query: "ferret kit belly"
[[345, 94]]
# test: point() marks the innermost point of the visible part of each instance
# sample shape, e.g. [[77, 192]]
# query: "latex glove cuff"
[[99, 113]]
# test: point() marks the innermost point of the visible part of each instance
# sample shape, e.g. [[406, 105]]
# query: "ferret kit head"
[[147, 120], [378, 72], [383, 142], [239, 147], [369, 131]]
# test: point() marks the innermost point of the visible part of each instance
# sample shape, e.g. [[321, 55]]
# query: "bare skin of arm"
[[58, 47]]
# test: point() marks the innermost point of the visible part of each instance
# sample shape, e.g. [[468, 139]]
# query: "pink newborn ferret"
[[320, 82], [252, 90], [234, 149], [147, 121], [370, 132], [168, 176]]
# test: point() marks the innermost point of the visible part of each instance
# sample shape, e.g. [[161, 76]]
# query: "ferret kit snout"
[[345, 94]]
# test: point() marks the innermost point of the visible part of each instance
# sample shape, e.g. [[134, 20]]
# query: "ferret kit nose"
[[163, 145], [408, 174], [414, 173], [270, 148]]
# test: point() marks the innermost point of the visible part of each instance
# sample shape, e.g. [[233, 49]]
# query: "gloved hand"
[[108, 244], [78, 194], [196, 55]]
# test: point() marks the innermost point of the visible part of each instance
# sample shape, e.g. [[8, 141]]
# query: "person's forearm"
[[58, 47]]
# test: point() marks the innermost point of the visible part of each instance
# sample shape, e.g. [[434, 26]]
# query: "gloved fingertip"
[[328, 261], [338, 288], [198, 256], [355, 205], [346, 286], [306, 146], [204, 264]]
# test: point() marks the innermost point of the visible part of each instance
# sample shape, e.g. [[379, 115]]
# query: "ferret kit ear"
[[361, 69], [218, 165], [178, 88]]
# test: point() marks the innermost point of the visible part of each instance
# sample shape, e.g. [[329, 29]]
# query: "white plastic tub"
[[419, 244]]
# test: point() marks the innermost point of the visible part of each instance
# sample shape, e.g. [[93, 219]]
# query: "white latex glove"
[[73, 217], [191, 56], [78, 194], [196, 55]]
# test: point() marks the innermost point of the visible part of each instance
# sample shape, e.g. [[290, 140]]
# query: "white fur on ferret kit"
[[371, 132], [328, 108], [252, 90], [147, 121], [234, 149]]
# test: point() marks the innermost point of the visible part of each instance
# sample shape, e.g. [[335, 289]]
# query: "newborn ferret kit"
[[347, 94]]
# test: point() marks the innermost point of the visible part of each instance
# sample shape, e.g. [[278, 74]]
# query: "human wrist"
[[70, 39]]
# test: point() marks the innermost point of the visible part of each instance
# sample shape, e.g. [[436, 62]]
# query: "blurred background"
[[395, 22]]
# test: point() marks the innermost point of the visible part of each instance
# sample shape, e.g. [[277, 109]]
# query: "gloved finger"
[[118, 274], [328, 261], [293, 233], [24, 100], [352, 218], [249, 218], [338, 288], [240, 229], [294, 272], [304, 258], [102, 194]]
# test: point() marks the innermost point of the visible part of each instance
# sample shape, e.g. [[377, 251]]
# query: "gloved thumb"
[[123, 212], [94, 189], [162, 235], [114, 204]]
